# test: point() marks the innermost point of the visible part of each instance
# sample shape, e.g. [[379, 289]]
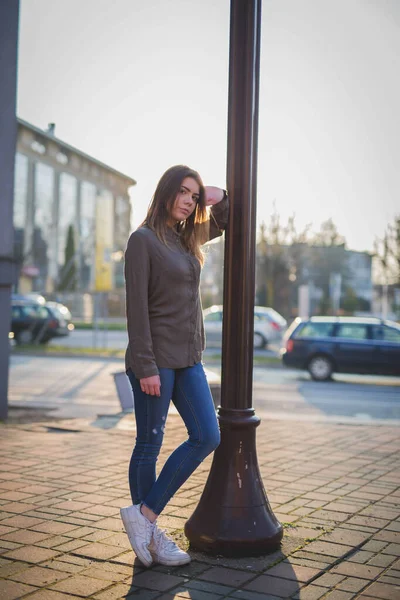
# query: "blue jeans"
[[189, 391]]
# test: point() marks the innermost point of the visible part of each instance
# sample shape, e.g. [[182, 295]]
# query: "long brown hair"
[[194, 229]]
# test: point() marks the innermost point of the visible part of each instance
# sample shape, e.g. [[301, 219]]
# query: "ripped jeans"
[[189, 391]]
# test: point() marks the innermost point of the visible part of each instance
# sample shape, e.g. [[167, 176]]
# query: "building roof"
[[51, 137]]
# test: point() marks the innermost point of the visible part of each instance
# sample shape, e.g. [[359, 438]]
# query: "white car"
[[269, 325]]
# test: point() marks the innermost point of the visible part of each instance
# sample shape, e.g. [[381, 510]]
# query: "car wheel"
[[24, 337], [320, 368], [258, 341]]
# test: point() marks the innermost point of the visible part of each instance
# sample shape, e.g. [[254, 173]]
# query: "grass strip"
[[100, 326], [67, 350]]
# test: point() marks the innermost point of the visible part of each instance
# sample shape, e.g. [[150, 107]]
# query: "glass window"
[[214, 316], [43, 236], [121, 234], [67, 242], [20, 190], [104, 241], [353, 331], [315, 329], [388, 334], [87, 233], [20, 205]]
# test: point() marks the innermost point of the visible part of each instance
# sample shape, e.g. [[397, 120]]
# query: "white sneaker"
[[164, 550], [139, 531]]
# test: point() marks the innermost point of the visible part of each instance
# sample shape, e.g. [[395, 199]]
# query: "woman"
[[163, 261]]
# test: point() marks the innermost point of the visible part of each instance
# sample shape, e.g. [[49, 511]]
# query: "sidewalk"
[[335, 488]]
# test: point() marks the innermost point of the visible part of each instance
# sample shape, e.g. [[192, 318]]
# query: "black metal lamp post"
[[233, 517]]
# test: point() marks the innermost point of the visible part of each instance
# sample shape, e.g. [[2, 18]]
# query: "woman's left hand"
[[213, 194]]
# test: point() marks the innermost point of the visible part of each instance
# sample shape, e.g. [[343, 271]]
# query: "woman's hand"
[[151, 385], [213, 194]]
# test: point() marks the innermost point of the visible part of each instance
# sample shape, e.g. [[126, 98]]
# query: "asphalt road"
[[117, 340], [291, 394], [85, 386]]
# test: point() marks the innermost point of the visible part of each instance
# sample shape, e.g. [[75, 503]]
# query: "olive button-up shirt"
[[164, 313]]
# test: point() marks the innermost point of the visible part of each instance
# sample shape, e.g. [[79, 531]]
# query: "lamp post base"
[[234, 517]]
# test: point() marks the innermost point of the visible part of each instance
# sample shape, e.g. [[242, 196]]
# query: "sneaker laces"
[[162, 541]]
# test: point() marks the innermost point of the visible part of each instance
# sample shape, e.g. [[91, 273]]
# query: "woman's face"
[[186, 200]]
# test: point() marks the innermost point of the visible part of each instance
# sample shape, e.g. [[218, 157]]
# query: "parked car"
[[62, 312], [269, 325], [36, 323], [325, 345]]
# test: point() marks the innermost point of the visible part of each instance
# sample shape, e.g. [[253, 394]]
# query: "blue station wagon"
[[325, 345]]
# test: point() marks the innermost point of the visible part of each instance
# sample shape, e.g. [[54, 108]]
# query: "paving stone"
[[182, 593], [25, 536], [392, 580], [63, 566], [351, 584], [21, 521], [345, 536], [10, 567], [97, 550], [206, 586], [329, 580], [339, 595], [288, 570], [329, 549], [283, 588], [382, 560], [54, 527], [116, 592], [53, 541], [12, 590], [392, 549], [120, 540], [39, 576], [157, 581], [374, 546], [32, 554], [16, 507], [50, 595], [81, 586], [310, 592], [387, 536], [247, 595], [357, 570], [190, 570], [361, 556], [384, 591], [230, 577]]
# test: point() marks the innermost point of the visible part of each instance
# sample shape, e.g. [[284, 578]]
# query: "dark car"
[[33, 323], [325, 345]]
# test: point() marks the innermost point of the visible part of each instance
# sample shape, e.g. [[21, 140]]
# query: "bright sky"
[[142, 85]]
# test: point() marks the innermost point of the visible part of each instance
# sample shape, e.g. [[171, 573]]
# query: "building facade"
[[71, 216]]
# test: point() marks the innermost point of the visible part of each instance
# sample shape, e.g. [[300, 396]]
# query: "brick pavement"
[[334, 487]]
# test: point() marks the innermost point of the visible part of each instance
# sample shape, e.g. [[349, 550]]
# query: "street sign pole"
[[233, 517], [9, 10]]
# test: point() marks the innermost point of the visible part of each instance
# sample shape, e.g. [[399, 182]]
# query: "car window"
[[314, 329], [29, 311], [214, 316], [16, 312], [388, 334], [43, 312], [261, 318], [352, 331]]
